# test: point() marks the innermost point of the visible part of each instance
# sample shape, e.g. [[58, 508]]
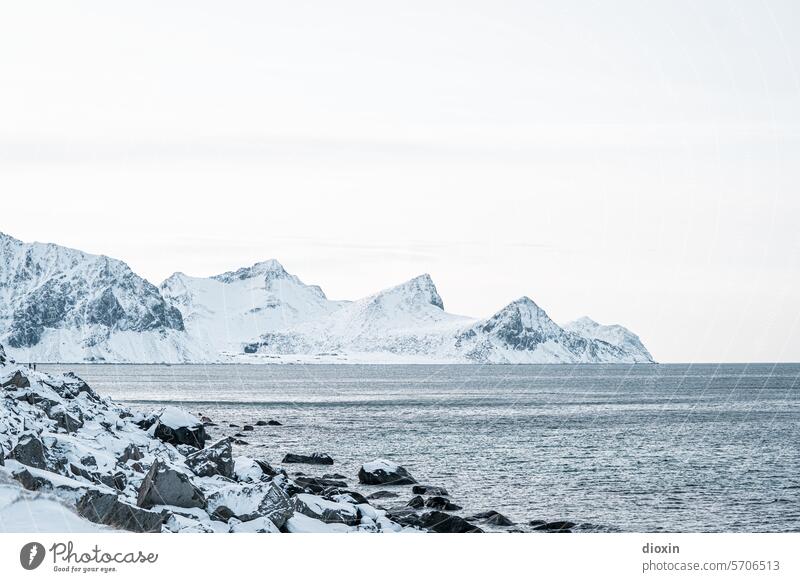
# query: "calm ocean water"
[[673, 448]]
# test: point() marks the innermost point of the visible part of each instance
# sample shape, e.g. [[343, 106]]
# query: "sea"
[[614, 448]]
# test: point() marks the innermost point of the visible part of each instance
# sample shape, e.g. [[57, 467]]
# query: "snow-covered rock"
[[383, 472], [110, 472]]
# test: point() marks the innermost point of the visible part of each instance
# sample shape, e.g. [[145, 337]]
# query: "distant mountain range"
[[64, 305]]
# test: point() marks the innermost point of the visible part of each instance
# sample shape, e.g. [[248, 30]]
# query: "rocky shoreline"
[[69, 456]]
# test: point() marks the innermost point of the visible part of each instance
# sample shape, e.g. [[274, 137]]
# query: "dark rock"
[[416, 502], [499, 520], [317, 484], [354, 496], [30, 451], [116, 481], [107, 509], [554, 526], [494, 518], [30, 482], [436, 521], [137, 466], [239, 442], [382, 472], [89, 461], [18, 380], [247, 428], [274, 423], [268, 469], [131, 453], [276, 506], [81, 472], [334, 476], [429, 490], [261, 423], [233, 425], [441, 503], [222, 513], [312, 459], [335, 513], [165, 486], [214, 460], [64, 419], [383, 495], [190, 431]]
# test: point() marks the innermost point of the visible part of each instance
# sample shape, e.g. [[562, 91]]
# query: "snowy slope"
[[406, 320], [616, 335], [60, 304], [223, 313]]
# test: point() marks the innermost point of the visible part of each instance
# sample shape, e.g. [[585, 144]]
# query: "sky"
[[632, 161]]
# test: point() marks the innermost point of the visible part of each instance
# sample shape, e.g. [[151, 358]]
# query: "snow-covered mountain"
[[60, 304], [63, 305], [404, 323], [224, 312], [616, 335], [408, 323]]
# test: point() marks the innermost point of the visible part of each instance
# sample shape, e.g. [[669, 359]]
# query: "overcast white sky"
[[633, 161]]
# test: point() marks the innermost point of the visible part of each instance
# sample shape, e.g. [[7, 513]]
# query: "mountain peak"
[[270, 269], [420, 288]]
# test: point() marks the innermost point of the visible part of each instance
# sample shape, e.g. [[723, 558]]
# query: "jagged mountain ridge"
[[59, 304]]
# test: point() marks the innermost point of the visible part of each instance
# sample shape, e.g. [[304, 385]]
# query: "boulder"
[[429, 490], [214, 460], [436, 521], [222, 513], [116, 481], [494, 518], [416, 502], [317, 484], [165, 486], [248, 428], [268, 469], [345, 496], [552, 526], [499, 520], [107, 509], [383, 495], [178, 427], [441, 503], [268, 423], [276, 506], [29, 450], [383, 472], [65, 420], [17, 380], [338, 476], [325, 510], [312, 459], [131, 453]]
